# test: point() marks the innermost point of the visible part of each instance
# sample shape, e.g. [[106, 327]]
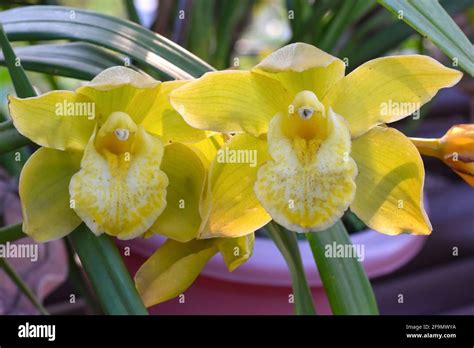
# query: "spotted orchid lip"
[[120, 172], [309, 182]]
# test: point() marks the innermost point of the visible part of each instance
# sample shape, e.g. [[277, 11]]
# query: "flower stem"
[[427, 147], [288, 245], [22, 286], [347, 287]]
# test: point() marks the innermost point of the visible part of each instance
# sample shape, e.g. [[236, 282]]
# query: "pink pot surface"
[[262, 285]]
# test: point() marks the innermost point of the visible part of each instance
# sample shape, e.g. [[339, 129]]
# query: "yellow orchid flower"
[[175, 266], [455, 148], [178, 262], [101, 154], [320, 138]]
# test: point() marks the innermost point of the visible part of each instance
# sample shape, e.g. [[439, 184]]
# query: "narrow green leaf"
[[10, 139], [78, 60], [22, 85], [380, 34], [144, 47], [200, 31], [11, 233], [430, 19], [132, 11], [337, 25], [345, 281], [231, 13], [77, 279], [288, 245], [15, 278], [107, 273]]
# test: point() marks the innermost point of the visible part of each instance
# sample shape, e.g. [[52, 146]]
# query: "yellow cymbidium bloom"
[[101, 155], [320, 138], [455, 148], [198, 177]]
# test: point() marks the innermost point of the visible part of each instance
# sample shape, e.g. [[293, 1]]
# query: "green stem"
[[22, 285], [107, 273], [11, 233], [347, 287], [288, 245]]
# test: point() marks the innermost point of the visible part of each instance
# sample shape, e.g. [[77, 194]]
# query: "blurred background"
[[410, 275]]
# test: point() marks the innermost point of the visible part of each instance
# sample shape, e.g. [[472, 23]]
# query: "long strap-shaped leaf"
[[78, 60], [430, 19], [135, 41], [10, 139], [287, 243], [107, 273], [385, 37], [344, 279]]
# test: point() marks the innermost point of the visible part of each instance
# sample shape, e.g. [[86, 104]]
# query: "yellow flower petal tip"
[[387, 89], [236, 251], [120, 189], [389, 197], [309, 182], [120, 75], [296, 57], [172, 269]]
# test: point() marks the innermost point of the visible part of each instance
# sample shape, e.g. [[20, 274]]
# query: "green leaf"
[[107, 273], [20, 81], [200, 31], [132, 11], [145, 47], [347, 286], [78, 280], [288, 245], [337, 25], [77, 60], [11, 233], [230, 14], [430, 19], [10, 139]]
